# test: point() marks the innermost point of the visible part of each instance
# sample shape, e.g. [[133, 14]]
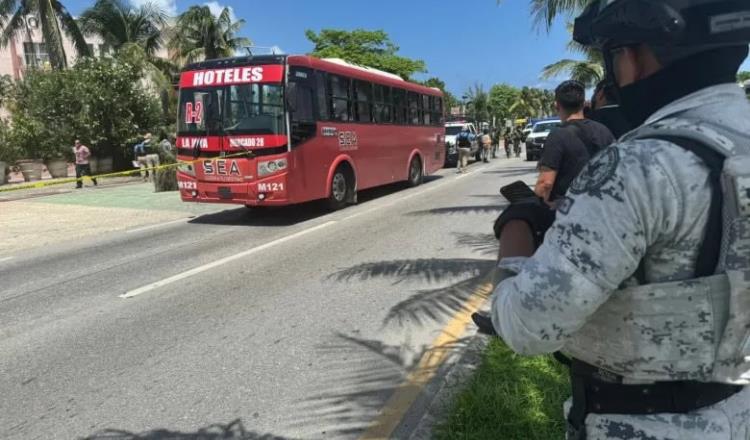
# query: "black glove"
[[533, 211], [484, 324]]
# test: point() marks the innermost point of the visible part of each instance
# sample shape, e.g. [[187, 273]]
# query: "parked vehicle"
[[527, 130], [538, 136], [452, 129]]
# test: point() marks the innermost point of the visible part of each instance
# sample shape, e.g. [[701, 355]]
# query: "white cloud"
[[217, 7], [168, 6]]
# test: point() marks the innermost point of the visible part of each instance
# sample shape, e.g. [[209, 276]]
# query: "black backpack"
[[464, 141]]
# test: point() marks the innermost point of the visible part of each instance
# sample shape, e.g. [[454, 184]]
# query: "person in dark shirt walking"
[[569, 147]]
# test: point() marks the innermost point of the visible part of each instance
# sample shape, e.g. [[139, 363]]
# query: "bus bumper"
[[270, 191]]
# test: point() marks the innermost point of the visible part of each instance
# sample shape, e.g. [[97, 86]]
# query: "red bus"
[[277, 130]]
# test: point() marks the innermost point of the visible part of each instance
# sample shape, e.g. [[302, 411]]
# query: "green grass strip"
[[510, 397]]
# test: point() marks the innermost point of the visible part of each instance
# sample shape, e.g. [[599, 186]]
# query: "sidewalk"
[[52, 186], [44, 216]]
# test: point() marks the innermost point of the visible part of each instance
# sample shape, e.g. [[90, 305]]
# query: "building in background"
[[29, 51]]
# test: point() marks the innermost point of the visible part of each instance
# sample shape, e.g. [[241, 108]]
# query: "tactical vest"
[[697, 329]]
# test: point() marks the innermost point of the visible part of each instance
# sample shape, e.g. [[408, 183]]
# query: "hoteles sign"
[[232, 76]]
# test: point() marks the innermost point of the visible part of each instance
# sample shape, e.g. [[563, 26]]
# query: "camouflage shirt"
[[637, 200]]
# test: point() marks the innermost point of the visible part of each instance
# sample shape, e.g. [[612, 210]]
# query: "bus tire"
[[341, 188], [416, 173]]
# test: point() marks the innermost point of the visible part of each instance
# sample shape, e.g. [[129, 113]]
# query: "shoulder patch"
[[598, 171]]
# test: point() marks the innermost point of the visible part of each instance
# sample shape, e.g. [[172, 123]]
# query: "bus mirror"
[[291, 97]]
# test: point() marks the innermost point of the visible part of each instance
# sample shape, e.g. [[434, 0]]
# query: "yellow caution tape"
[[43, 184]]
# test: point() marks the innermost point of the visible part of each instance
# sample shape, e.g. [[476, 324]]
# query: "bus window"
[[399, 106], [321, 95], [340, 105], [382, 107], [364, 97], [426, 115], [413, 108], [437, 110], [254, 109]]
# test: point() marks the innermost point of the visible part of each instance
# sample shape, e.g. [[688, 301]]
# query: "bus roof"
[[333, 65], [360, 72]]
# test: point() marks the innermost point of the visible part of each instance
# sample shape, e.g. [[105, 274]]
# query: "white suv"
[[538, 136]]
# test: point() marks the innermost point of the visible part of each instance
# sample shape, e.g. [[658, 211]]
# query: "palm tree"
[[200, 35], [527, 104], [477, 103], [55, 23], [119, 23], [545, 11], [589, 70]]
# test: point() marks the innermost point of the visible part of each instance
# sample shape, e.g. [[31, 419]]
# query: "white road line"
[[158, 225], [209, 266], [5, 259]]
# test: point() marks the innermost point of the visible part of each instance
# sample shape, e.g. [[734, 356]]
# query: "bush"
[[102, 102]]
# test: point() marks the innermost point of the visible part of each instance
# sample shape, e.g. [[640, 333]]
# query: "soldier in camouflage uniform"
[[643, 280]]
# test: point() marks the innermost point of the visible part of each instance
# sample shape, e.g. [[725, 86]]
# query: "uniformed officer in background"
[[643, 280]]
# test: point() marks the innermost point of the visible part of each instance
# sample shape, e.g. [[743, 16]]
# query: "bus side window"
[[399, 106], [413, 108], [340, 96], [303, 117], [438, 116], [426, 114], [363, 91], [382, 108], [321, 96]]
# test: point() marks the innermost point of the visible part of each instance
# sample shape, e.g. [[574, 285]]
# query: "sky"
[[462, 42]]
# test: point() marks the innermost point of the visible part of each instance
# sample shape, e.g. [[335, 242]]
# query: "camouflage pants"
[[726, 420]]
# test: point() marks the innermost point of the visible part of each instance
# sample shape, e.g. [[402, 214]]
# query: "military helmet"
[[673, 28]]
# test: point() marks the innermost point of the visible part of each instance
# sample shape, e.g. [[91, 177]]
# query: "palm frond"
[[584, 71], [15, 26], [71, 29]]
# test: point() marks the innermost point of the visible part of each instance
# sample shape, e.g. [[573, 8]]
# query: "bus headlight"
[[271, 166], [187, 168]]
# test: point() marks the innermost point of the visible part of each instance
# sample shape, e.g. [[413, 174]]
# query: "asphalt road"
[[291, 323]]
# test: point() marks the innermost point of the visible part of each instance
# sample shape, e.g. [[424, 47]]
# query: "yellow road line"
[[404, 396]]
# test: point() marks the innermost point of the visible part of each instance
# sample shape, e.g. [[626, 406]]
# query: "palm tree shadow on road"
[[468, 209], [234, 430], [364, 373]]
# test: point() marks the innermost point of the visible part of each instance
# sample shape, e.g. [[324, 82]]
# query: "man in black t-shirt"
[[569, 147]]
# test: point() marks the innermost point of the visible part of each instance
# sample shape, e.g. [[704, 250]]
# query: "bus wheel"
[[340, 189], [415, 172]]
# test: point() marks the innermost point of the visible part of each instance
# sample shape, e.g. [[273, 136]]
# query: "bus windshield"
[[232, 110]]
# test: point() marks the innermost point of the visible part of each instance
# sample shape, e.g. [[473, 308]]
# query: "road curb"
[[442, 394]]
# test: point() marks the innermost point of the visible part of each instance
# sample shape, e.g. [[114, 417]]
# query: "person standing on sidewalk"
[[146, 157], [82, 154]]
